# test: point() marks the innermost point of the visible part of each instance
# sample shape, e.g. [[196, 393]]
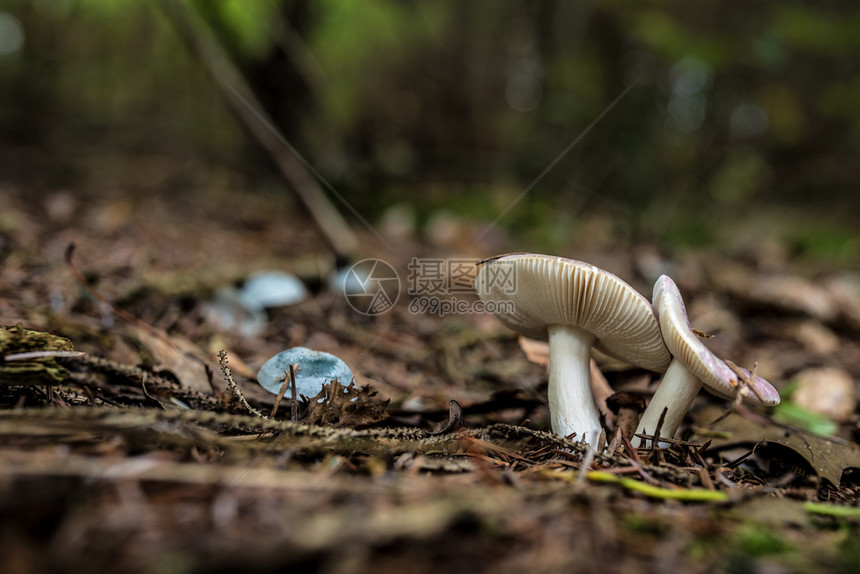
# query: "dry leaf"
[[536, 351], [177, 355], [827, 457]]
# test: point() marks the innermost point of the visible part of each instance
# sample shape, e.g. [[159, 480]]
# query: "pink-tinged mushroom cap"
[[693, 366], [769, 395], [686, 346]]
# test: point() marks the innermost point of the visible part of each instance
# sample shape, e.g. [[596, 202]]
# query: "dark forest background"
[[738, 119]]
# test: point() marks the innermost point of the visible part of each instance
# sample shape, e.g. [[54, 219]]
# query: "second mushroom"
[[693, 366]]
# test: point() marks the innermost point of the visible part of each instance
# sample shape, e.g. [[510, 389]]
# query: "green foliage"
[[836, 510], [675, 40], [646, 524], [849, 552], [687, 494], [406, 97], [809, 28], [754, 540], [250, 24], [790, 413], [793, 414], [357, 43], [740, 177], [826, 242]]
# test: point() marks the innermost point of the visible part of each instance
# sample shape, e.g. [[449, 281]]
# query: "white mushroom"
[[576, 305], [693, 366]]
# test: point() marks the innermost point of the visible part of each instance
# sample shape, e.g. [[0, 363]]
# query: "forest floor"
[[137, 456]]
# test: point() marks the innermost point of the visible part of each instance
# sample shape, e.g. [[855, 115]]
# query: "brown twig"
[[705, 479], [655, 438], [294, 404], [668, 440], [659, 427], [231, 384], [746, 381], [635, 461], [251, 113], [147, 395], [42, 354], [280, 396], [616, 441]]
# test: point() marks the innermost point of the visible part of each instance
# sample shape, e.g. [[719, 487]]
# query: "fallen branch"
[[251, 113]]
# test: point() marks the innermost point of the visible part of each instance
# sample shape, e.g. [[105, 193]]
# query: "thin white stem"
[[571, 404], [676, 393]]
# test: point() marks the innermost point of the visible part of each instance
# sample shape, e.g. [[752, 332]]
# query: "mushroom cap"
[[686, 347], [315, 369], [272, 289], [547, 290], [769, 395], [227, 312]]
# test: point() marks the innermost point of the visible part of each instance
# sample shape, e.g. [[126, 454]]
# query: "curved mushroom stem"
[[676, 393], [571, 404]]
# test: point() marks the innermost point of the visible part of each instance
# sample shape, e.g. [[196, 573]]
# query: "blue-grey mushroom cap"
[[272, 289], [315, 368], [226, 311]]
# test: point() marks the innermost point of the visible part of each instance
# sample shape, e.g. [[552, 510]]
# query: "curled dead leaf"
[[829, 458]]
